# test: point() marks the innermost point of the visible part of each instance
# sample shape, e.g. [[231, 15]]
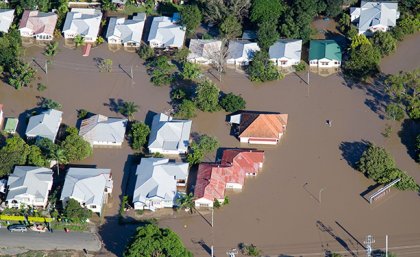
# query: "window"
[[324, 63], [93, 206]]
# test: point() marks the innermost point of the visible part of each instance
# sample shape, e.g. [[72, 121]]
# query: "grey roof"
[[44, 125], [83, 21], [375, 13], [125, 29], [29, 180], [103, 129], [157, 177], [169, 134], [119, 1], [203, 48], [288, 48], [86, 185], [6, 19], [165, 31], [242, 49]]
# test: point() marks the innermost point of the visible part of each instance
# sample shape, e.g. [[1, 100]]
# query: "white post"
[[132, 76], [308, 77], [46, 67], [319, 196], [386, 246], [212, 251], [212, 217]]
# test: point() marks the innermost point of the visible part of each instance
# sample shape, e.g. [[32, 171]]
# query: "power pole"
[[46, 67], [232, 253], [132, 76], [386, 246], [368, 242]]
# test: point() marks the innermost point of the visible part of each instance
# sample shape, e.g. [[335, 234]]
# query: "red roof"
[[261, 125], [39, 22], [236, 163]]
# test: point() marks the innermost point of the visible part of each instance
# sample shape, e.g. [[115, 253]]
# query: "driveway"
[[59, 240]]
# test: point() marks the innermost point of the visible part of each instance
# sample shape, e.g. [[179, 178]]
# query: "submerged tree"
[[128, 109]]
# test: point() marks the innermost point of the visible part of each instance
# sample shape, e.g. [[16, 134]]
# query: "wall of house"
[[233, 186], [160, 150], [104, 143], [44, 36], [325, 63], [260, 141], [203, 202], [25, 32]]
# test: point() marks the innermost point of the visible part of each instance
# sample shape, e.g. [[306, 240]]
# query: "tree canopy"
[[232, 102], [186, 109], [199, 149], [75, 147], [190, 18], [138, 135], [207, 96], [15, 152], [75, 212], [231, 28], [216, 11], [262, 69], [267, 34], [385, 41], [151, 240], [363, 62], [266, 10]]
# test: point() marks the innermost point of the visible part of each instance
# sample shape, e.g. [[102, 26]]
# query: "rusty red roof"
[[39, 22], [248, 160], [262, 125]]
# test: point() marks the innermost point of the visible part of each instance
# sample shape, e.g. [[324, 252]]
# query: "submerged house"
[[324, 54], [44, 125], [286, 52], [166, 33], [100, 130], [39, 25], [127, 32], [204, 51], [6, 19], [241, 52], [84, 22]]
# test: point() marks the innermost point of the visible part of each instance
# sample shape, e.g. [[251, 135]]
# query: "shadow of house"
[[129, 177], [352, 151], [148, 120], [410, 130]]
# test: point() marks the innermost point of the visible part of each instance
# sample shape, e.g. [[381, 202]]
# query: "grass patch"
[[70, 226]]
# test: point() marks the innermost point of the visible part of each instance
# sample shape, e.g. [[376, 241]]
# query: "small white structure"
[[169, 136], [125, 31], [29, 186], [6, 19], [324, 54], [38, 24], [100, 130], [84, 22], [241, 52], [204, 51], [286, 52], [89, 186], [3, 186], [374, 16], [44, 125], [157, 182], [164, 33], [1, 115]]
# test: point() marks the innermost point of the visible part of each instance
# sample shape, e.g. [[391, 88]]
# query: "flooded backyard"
[[307, 183]]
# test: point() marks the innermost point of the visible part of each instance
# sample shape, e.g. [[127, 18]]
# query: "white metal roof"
[[44, 125], [242, 49], [288, 48], [128, 30], [165, 31], [6, 19], [203, 48], [83, 21], [100, 128], [377, 13]]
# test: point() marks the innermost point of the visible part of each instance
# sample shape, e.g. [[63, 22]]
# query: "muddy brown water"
[[305, 179]]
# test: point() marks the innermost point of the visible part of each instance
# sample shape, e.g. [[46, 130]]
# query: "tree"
[[207, 96], [108, 5], [190, 71], [47, 103], [218, 55], [76, 213], [21, 75], [36, 158], [216, 203], [161, 71], [79, 41], [181, 54], [267, 34], [152, 241], [15, 152], [406, 182], [375, 163], [145, 52], [75, 147], [51, 49], [359, 40], [333, 7], [105, 65], [128, 109], [363, 62], [59, 155], [250, 250], [266, 10], [385, 41], [395, 112], [216, 11], [262, 69], [190, 18], [186, 202], [230, 28], [186, 110], [138, 135], [232, 102], [205, 145]]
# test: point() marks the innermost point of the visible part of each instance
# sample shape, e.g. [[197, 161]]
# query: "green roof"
[[11, 124], [329, 49]]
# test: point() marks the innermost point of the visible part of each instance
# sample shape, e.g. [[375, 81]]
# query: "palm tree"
[[128, 109], [79, 40], [58, 154], [187, 202]]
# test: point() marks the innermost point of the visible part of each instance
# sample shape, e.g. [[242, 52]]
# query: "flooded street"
[[307, 180]]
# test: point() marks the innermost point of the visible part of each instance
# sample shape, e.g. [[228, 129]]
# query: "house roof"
[[165, 31], [44, 125], [320, 49], [247, 160], [286, 48], [6, 19], [86, 185], [204, 48], [377, 13], [242, 49], [169, 134], [210, 182], [39, 22], [157, 178], [128, 30], [34, 181], [83, 21], [263, 125], [100, 128]]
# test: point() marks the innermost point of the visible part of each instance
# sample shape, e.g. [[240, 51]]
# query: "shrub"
[[145, 52], [262, 69], [216, 204], [186, 110], [82, 113], [207, 96], [41, 87], [300, 67], [232, 103], [138, 135]]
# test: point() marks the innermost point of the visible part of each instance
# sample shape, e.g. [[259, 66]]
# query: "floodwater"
[[308, 197]]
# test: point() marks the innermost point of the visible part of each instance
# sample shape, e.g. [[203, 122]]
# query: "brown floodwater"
[[306, 180]]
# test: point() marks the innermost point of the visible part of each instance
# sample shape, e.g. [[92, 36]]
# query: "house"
[[374, 16], [164, 33], [168, 135], [214, 178], [286, 52], [38, 24], [100, 130], [29, 186], [126, 31], [204, 51], [89, 186], [157, 183], [11, 125], [260, 128], [6, 19], [324, 54], [241, 52], [84, 22], [44, 125], [1, 115]]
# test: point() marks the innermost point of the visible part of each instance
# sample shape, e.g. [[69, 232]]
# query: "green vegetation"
[[363, 62], [249, 250], [138, 135], [47, 103], [51, 49], [41, 87], [21, 74], [79, 41], [226, 200], [300, 67], [395, 111], [124, 202], [216, 204], [378, 165], [105, 65], [74, 146], [36, 158], [186, 110], [128, 109], [418, 147], [231, 28], [262, 69], [145, 52], [186, 202], [82, 114], [267, 34], [216, 11], [161, 71], [266, 10], [190, 71], [207, 96], [386, 43], [190, 18], [181, 54], [76, 213], [13, 153], [150, 240], [232, 102], [205, 145]]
